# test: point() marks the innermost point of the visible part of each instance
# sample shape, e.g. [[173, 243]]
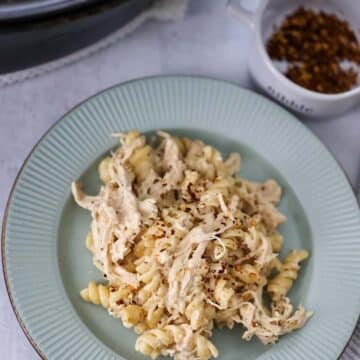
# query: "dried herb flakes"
[[316, 45]]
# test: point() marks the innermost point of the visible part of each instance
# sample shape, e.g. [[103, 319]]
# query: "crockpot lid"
[[21, 9]]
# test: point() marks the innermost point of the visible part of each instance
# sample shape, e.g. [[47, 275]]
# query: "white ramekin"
[[270, 79]]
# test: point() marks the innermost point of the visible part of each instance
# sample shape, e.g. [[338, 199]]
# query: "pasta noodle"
[[96, 294], [104, 172], [131, 315], [279, 285], [185, 244], [89, 241]]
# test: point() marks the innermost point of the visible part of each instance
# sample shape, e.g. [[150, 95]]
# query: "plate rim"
[[78, 105]]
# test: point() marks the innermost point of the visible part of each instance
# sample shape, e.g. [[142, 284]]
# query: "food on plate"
[[184, 243]]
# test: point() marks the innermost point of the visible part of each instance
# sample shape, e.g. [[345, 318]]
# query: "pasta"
[[185, 244], [96, 294], [279, 285], [104, 170]]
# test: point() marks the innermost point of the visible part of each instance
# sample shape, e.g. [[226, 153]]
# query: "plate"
[[44, 256]]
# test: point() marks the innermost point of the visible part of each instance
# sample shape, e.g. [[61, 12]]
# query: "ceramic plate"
[[45, 260]]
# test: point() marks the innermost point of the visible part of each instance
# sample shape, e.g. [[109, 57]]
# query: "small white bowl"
[[269, 78]]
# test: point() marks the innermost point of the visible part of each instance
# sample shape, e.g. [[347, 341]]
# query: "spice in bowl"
[[321, 50]]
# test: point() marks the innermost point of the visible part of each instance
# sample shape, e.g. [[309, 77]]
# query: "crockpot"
[[33, 32]]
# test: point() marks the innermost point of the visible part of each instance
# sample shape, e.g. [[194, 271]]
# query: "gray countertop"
[[205, 43]]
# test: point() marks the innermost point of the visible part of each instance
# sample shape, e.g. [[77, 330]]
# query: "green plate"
[[44, 256]]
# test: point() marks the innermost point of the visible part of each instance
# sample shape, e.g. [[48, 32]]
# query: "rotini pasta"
[[89, 241], [154, 342], [140, 162], [276, 241], [280, 284], [205, 349], [184, 244], [104, 171], [131, 315], [96, 294]]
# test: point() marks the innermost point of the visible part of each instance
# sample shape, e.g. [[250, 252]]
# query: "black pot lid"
[[22, 9]]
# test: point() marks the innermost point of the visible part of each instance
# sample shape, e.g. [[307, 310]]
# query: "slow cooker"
[[33, 32]]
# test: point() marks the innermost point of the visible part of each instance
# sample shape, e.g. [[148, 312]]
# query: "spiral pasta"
[[97, 294], [150, 277], [154, 342], [131, 315], [276, 241], [280, 284], [89, 241], [120, 296], [185, 244], [196, 312], [205, 349], [247, 273], [103, 169], [141, 162]]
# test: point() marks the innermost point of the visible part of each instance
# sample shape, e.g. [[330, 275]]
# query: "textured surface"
[[36, 232], [206, 42]]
